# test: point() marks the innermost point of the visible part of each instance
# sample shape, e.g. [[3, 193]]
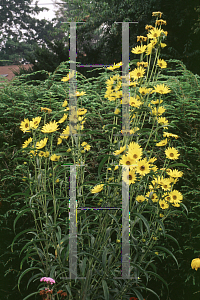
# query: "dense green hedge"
[[20, 99]]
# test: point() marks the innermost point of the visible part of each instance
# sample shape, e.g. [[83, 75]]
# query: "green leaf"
[[35, 293], [19, 215], [172, 238], [26, 271], [102, 163], [159, 277], [169, 252], [82, 266], [161, 225], [178, 165], [144, 220], [105, 289], [22, 232], [104, 258]]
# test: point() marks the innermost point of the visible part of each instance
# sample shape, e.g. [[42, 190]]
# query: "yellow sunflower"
[[41, 153], [46, 154], [143, 91], [143, 167], [27, 142], [135, 154], [141, 38], [142, 63], [42, 143], [65, 133], [130, 178], [163, 204], [162, 64], [115, 66], [81, 111], [117, 152], [63, 119], [98, 188], [35, 122], [161, 89], [167, 197], [162, 121], [69, 75], [162, 143], [157, 101], [80, 93], [152, 160], [139, 49], [163, 45], [149, 27], [135, 102], [176, 196], [174, 173], [127, 160], [65, 103], [160, 22], [165, 184], [195, 264], [140, 198], [152, 196], [172, 153], [45, 109], [59, 141], [87, 147], [157, 14], [50, 127], [150, 47], [168, 134], [137, 73], [25, 125], [117, 111], [55, 157]]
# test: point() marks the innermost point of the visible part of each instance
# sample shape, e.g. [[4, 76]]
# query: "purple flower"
[[48, 280]]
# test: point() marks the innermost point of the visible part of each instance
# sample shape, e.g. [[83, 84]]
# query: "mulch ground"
[[9, 70]]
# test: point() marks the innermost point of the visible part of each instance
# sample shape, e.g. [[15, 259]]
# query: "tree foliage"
[[20, 31]]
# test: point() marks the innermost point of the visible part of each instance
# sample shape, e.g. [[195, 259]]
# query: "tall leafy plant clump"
[[145, 160]]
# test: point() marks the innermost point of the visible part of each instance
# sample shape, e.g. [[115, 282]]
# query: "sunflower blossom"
[[65, 103], [163, 204], [65, 133], [161, 89], [25, 125], [162, 64], [172, 153], [143, 167], [117, 152], [130, 178], [162, 143], [55, 157], [50, 127], [195, 264], [140, 198], [154, 33], [98, 188], [137, 73], [63, 119], [115, 66], [27, 142], [135, 102], [35, 122], [174, 173], [42, 143], [139, 49]]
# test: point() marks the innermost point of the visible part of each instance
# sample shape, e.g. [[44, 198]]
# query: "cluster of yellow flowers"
[[160, 188], [53, 126]]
